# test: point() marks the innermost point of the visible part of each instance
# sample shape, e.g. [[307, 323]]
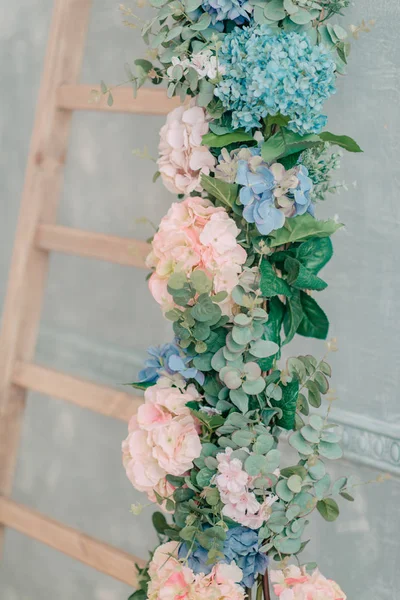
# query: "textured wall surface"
[[98, 318]]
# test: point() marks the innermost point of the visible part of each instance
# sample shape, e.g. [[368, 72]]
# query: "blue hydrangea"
[[267, 73], [238, 11], [270, 193], [168, 359], [241, 545]]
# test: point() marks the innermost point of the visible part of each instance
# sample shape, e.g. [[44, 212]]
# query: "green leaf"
[[242, 437], [283, 491], [223, 191], [293, 316], [300, 277], [141, 385], [288, 404], [203, 22], [297, 442], [255, 464], [328, 509], [315, 253], [272, 330], [240, 399], [287, 142], [301, 228], [344, 141], [315, 322], [159, 522], [271, 284], [221, 141], [331, 451], [204, 476], [263, 348]]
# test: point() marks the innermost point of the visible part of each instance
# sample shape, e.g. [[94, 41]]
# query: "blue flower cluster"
[[269, 194], [168, 359], [241, 545], [238, 11], [268, 73]]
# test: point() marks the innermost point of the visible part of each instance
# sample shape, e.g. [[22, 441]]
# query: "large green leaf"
[[315, 253], [344, 141], [271, 284], [293, 316], [300, 277], [220, 141], [290, 392], [301, 228], [314, 323], [223, 191], [286, 142], [272, 330]]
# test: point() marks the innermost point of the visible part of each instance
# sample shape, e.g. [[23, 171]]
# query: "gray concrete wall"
[[98, 319]]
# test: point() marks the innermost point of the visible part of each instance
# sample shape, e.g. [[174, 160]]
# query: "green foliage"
[[302, 228], [226, 193]]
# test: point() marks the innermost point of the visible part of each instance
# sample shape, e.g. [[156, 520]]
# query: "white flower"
[[206, 65], [177, 62]]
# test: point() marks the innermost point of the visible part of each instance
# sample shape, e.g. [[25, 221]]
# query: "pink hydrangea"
[[182, 157], [163, 440], [294, 583], [170, 579], [195, 235], [234, 486]]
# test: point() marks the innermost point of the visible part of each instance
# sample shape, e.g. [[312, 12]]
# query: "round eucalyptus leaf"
[[254, 387], [243, 437], [263, 348], [231, 378], [331, 451], [241, 400], [310, 434], [283, 491], [292, 512], [318, 470], [263, 444], [241, 335], [316, 422], [322, 486], [294, 483], [306, 502], [297, 442], [242, 320], [255, 464], [273, 459]]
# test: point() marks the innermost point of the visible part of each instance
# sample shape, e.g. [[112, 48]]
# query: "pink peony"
[[170, 579], [294, 583], [182, 157], [162, 440], [195, 235]]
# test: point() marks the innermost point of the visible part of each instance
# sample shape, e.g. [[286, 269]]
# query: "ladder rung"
[[100, 399], [147, 102], [123, 251], [96, 554]]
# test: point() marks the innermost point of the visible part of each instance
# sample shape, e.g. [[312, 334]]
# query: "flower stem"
[[265, 585]]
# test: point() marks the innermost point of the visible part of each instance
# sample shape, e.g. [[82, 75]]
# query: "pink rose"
[[182, 157]]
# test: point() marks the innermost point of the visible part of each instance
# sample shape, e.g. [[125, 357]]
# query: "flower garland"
[[236, 267]]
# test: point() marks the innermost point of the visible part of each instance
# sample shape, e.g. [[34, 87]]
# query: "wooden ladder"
[[38, 234]]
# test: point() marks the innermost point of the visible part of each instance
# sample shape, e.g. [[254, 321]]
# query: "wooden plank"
[[149, 101], [98, 398], [43, 180], [88, 550], [123, 251]]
